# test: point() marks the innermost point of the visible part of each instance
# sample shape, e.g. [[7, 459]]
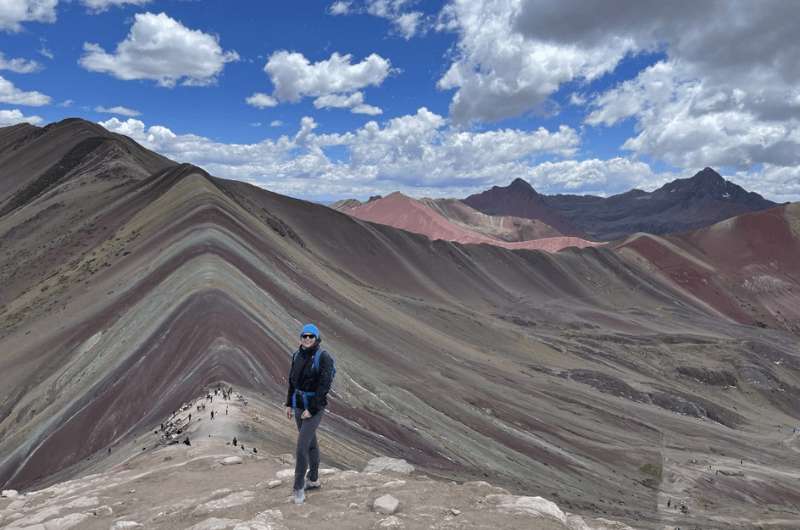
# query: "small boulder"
[[328, 471], [454, 511], [285, 473], [9, 494], [352, 506], [394, 484], [386, 504], [231, 460], [103, 511], [274, 484], [532, 505], [384, 463]]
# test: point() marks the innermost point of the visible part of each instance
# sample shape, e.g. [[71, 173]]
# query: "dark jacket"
[[302, 376]]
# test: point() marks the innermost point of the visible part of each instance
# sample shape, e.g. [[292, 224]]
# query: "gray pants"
[[307, 453]]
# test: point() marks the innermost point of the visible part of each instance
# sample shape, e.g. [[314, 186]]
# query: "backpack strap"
[[317, 356]]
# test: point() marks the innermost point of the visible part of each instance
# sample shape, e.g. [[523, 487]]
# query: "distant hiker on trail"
[[310, 378]]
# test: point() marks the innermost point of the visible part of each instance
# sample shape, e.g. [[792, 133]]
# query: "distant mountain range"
[[454, 220], [681, 205], [517, 212]]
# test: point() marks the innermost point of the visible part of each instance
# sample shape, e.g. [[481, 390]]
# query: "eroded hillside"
[[614, 382]]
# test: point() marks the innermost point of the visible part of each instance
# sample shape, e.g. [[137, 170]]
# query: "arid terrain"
[[216, 483], [654, 382], [452, 220]]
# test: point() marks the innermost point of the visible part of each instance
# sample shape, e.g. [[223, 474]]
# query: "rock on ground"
[[386, 504], [124, 525], [385, 463], [531, 505], [285, 473]]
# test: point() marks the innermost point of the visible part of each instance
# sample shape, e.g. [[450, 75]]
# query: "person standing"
[[310, 378]]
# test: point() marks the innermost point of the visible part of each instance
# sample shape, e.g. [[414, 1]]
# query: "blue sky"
[[334, 99]]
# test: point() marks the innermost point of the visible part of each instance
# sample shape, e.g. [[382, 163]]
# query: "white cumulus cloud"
[[14, 116], [120, 110], [339, 8], [339, 101], [594, 176], [407, 23], [11, 94], [97, 6], [725, 94], [14, 12], [693, 122], [499, 72], [295, 77], [261, 100], [418, 153], [782, 184], [370, 110], [354, 102], [162, 49], [18, 65]]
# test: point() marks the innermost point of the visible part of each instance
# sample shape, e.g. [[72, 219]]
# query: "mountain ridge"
[[677, 206], [456, 221]]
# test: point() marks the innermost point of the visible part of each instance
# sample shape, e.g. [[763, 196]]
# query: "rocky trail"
[[212, 484]]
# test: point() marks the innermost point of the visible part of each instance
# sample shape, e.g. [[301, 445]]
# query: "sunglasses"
[[308, 336]]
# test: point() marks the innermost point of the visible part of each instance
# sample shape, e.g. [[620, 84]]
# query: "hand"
[[288, 413], [305, 415]]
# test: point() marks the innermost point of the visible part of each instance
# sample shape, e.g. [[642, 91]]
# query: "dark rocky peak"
[[705, 182], [521, 186], [708, 184], [708, 176]]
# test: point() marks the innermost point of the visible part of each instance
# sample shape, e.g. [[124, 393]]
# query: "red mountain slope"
[[400, 211], [746, 267]]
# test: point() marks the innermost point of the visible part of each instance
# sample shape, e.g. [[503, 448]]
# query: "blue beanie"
[[310, 329]]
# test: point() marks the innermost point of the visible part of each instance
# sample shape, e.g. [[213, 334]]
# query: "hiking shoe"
[[298, 496], [313, 484]]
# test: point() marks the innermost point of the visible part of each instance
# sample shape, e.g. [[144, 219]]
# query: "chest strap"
[[305, 395]]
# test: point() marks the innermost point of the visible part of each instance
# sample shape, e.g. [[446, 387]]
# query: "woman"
[[309, 382]]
